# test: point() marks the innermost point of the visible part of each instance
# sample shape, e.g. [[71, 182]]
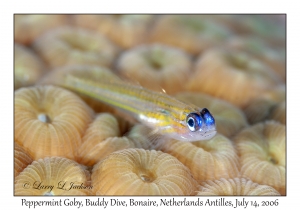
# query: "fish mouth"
[[194, 136], [204, 136], [209, 134]]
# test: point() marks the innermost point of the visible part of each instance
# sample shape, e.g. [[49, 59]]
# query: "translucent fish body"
[[159, 111]]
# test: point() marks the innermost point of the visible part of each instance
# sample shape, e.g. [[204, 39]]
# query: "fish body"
[[159, 111]]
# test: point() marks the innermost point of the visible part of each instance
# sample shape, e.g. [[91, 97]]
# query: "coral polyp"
[[267, 106], [73, 46], [275, 58], [232, 70], [261, 148], [50, 121], [168, 66], [28, 67], [30, 26], [192, 33], [142, 172], [21, 159], [53, 176], [104, 136], [125, 30], [207, 160]]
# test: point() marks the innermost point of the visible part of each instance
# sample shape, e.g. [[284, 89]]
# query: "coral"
[[261, 148], [278, 113], [142, 172], [50, 121], [125, 30], [270, 28], [261, 109], [156, 67], [104, 136], [236, 186], [53, 176], [192, 33], [275, 58], [72, 46], [207, 160], [233, 65], [269, 105], [29, 27], [21, 159], [231, 71], [28, 67], [59, 77]]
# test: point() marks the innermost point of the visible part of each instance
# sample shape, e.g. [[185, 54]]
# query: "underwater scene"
[[190, 105]]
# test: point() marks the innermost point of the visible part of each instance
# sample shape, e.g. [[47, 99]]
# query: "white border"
[[8, 8]]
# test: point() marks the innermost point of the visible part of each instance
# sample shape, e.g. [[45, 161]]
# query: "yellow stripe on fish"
[[159, 111]]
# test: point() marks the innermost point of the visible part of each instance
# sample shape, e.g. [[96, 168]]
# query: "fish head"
[[196, 126]]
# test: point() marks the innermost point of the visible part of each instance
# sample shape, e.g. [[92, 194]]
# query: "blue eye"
[[208, 118], [193, 121]]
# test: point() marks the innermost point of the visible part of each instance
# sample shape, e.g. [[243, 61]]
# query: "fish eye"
[[193, 121], [207, 116]]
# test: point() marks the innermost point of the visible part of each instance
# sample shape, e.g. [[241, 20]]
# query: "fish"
[[164, 114]]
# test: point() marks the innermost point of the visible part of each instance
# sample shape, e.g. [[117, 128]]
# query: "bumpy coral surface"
[[142, 172], [236, 186], [104, 136], [231, 71], [70, 46], [125, 30], [207, 160], [21, 159], [194, 34], [168, 66], [261, 148], [50, 121], [29, 27], [28, 67], [53, 176]]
